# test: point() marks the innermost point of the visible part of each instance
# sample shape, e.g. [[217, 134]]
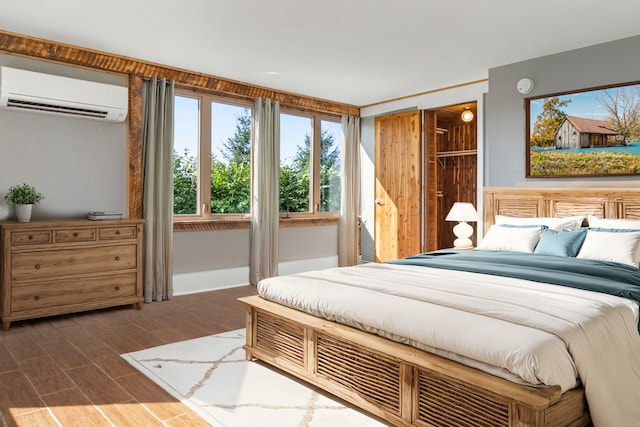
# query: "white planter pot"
[[23, 212]]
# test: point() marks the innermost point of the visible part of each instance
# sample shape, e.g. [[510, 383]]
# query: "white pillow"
[[557, 224], [620, 224], [516, 239], [622, 247]]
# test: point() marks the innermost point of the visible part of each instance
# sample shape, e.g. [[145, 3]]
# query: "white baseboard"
[[210, 280]]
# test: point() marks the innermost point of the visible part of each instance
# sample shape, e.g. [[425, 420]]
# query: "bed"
[[383, 369]]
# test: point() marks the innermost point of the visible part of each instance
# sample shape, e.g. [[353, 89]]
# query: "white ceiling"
[[358, 52]]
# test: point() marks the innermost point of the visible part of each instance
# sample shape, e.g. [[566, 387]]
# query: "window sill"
[[239, 224]]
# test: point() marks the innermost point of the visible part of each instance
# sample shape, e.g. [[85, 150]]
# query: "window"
[[211, 157], [230, 159], [330, 141], [295, 158], [212, 160], [309, 171], [185, 155]]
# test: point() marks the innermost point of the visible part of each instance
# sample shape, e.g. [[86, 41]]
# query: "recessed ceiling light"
[[272, 73]]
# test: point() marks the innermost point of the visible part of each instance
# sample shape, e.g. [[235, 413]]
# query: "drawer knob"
[[37, 266], [37, 297], [30, 237], [75, 234], [117, 288], [118, 232], [117, 258]]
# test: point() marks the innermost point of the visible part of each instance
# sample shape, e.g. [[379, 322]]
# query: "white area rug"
[[211, 376]]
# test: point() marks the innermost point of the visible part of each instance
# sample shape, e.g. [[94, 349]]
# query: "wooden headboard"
[[560, 202]]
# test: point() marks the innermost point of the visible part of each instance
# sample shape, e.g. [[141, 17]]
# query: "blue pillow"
[[566, 243]]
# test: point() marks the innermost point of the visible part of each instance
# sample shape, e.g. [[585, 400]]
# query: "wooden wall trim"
[[246, 223], [134, 149], [136, 70]]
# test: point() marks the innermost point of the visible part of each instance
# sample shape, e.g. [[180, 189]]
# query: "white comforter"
[[524, 331]]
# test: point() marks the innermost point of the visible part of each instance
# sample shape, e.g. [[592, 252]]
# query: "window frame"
[[203, 208], [314, 181], [203, 219]]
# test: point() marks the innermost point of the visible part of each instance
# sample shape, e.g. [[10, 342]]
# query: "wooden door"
[[398, 172]]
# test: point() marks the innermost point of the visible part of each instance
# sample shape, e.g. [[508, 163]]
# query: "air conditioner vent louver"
[[37, 106], [28, 91]]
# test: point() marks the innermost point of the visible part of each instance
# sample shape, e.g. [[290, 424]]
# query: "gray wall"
[[80, 165], [505, 151], [77, 164], [197, 251], [208, 260]]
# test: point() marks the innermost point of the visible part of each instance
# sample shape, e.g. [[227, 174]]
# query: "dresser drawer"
[[76, 291], [63, 262], [111, 233], [31, 237], [75, 235]]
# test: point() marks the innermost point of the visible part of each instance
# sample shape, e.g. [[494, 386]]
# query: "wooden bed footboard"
[[396, 382]]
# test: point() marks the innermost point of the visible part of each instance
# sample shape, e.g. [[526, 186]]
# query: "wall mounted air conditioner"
[[22, 90]]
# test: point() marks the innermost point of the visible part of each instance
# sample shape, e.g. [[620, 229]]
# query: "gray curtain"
[[157, 191], [349, 222], [266, 184]]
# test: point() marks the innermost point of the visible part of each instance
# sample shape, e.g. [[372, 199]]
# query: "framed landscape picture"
[[593, 132]]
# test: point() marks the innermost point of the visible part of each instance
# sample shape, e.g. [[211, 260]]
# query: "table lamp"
[[462, 212]]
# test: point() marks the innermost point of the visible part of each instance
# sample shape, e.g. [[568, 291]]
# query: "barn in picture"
[[578, 132]]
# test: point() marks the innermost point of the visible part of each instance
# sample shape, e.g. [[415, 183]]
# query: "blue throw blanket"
[[598, 276]]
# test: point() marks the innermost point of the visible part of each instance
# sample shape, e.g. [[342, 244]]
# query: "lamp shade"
[[462, 211]]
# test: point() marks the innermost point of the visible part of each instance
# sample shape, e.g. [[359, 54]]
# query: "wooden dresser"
[[56, 267]]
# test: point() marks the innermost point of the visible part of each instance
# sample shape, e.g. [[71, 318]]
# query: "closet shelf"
[[457, 153]]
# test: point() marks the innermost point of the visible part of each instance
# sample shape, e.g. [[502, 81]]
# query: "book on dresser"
[[98, 216]]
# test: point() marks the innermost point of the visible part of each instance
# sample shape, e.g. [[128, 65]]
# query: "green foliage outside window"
[[294, 178], [231, 175], [185, 183], [294, 188], [230, 187]]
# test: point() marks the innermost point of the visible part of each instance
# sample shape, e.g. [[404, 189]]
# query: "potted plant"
[[23, 197]]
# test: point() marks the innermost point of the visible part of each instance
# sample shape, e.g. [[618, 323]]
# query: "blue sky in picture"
[[292, 128], [583, 104]]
